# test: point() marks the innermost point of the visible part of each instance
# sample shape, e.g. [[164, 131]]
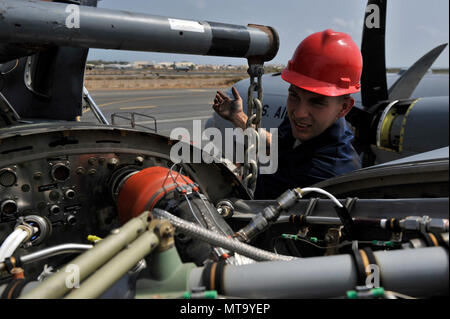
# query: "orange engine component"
[[143, 190]]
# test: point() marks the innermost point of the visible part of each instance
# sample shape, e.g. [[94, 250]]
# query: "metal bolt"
[[80, 170], [92, 172], [37, 175], [92, 160], [139, 160], [112, 162], [167, 230]]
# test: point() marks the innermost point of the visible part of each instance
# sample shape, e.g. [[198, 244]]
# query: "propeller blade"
[[407, 83]]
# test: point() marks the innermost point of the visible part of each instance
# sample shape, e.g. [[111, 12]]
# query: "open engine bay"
[[109, 202], [94, 210]]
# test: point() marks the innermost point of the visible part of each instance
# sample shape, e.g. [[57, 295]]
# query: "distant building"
[[176, 65], [143, 64]]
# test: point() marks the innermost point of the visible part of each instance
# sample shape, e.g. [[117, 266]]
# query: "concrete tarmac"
[[171, 108]]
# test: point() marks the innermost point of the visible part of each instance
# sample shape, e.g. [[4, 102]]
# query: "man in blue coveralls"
[[314, 141]]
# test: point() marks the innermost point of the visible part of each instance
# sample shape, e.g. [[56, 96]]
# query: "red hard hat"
[[327, 63]]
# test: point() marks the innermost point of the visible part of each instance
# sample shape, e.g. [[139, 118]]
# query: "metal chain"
[[254, 113]]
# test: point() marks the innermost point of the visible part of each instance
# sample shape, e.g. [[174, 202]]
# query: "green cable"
[[383, 243], [352, 294], [208, 294], [377, 292], [374, 292], [296, 237], [211, 294]]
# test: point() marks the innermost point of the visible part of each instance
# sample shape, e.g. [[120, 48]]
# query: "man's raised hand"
[[226, 107]]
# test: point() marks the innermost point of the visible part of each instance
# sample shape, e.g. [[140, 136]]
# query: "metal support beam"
[[39, 24]]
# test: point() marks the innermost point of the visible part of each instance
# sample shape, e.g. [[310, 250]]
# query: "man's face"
[[310, 113]]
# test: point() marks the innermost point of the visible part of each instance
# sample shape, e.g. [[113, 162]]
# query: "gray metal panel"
[[426, 125], [438, 154]]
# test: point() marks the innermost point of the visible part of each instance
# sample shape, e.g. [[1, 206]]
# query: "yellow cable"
[[93, 238]]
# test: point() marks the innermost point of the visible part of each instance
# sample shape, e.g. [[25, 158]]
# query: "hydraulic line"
[[114, 269], [55, 286], [307, 190], [270, 214], [218, 239], [53, 251], [50, 252], [422, 223]]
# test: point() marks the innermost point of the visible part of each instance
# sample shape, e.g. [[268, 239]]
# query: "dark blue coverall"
[[322, 157]]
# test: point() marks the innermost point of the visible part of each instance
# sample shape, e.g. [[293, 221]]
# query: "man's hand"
[[230, 109]]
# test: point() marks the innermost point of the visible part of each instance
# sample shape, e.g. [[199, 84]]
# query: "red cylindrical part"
[[143, 190]]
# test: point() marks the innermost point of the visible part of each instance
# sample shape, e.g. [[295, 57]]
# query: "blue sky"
[[413, 26]]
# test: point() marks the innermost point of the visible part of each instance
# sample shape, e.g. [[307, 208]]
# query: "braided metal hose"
[[216, 239]]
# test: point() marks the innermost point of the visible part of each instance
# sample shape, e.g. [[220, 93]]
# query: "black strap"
[[206, 276], [348, 231], [441, 240], [14, 288], [219, 278], [214, 281], [9, 265], [372, 260], [393, 224], [5, 280], [350, 202], [428, 240], [360, 268]]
